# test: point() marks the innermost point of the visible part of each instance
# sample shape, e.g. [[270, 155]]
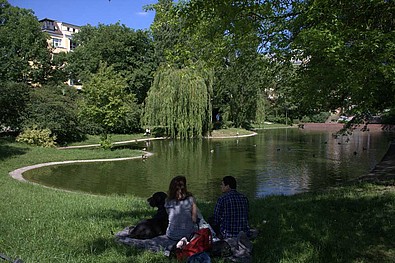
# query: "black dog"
[[156, 225]]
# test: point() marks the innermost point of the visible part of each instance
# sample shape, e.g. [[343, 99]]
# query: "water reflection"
[[274, 162]]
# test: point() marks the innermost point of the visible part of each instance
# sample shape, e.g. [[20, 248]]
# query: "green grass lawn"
[[37, 224], [264, 126]]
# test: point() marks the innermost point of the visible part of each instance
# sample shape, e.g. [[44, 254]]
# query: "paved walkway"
[[17, 174]]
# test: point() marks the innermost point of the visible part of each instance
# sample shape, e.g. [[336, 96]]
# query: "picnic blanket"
[[156, 244], [240, 246]]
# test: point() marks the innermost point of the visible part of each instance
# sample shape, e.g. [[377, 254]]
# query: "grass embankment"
[[95, 139], [37, 224]]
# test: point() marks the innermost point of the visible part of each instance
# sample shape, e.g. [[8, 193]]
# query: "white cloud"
[[142, 13]]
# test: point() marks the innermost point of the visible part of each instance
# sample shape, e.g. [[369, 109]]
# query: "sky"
[[93, 12]]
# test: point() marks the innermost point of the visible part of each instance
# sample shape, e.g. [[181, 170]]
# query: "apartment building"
[[61, 34], [61, 40]]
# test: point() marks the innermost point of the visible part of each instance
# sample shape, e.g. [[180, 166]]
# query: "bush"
[[55, 108], [13, 99], [316, 118], [37, 137], [320, 117]]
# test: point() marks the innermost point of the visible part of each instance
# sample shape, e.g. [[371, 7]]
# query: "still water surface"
[[275, 162]]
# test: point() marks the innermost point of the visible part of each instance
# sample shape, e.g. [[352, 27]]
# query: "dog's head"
[[157, 199]]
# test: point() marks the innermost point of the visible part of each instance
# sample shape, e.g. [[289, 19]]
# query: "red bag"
[[202, 241]]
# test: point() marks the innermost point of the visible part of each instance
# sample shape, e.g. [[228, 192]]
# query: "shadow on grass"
[[121, 218], [7, 151], [129, 253], [353, 224], [325, 228]]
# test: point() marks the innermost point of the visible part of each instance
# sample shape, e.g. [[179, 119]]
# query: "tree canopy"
[[24, 53], [348, 52], [129, 52], [13, 100], [346, 48], [107, 102], [180, 101]]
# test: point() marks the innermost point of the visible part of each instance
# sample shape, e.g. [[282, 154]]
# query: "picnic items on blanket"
[[221, 248], [241, 248], [156, 244], [202, 241]]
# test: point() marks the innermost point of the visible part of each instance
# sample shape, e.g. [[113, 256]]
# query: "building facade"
[[61, 34], [61, 40]]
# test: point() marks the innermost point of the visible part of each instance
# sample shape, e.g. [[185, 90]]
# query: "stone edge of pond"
[[17, 174]]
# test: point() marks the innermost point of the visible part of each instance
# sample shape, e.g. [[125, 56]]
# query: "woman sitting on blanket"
[[181, 208]]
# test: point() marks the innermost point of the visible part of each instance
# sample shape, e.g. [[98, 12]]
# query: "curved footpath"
[[17, 174]]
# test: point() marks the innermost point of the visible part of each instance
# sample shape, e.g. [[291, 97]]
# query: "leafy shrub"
[[55, 108], [39, 137], [105, 142], [13, 99], [320, 117], [305, 119], [316, 118], [278, 119]]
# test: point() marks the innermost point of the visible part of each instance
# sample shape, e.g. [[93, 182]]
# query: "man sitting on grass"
[[231, 211]]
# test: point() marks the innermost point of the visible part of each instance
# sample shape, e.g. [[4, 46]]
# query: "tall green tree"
[[180, 101], [13, 100], [345, 47], [107, 102], [166, 32], [24, 53], [348, 49], [129, 52], [186, 36]]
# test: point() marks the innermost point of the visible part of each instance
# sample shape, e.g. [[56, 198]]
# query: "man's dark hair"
[[231, 181]]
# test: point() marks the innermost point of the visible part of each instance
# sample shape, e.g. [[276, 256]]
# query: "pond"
[[275, 162]]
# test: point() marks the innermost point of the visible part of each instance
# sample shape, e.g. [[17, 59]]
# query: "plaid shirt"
[[231, 214]]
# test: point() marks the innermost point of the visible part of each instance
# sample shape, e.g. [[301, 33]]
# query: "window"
[[56, 42], [49, 25], [73, 45]]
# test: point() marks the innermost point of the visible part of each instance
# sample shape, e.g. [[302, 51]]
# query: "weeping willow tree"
[[180, 101]]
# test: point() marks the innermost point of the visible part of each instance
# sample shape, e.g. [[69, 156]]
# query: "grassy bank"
[[350, 224], [95, 139]]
